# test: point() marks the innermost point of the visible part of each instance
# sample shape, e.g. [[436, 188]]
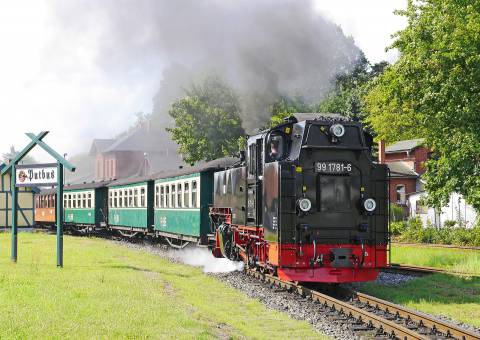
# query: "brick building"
[[139, 152], [405, 159]]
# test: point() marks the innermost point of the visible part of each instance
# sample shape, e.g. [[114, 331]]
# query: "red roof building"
[[405, 160]]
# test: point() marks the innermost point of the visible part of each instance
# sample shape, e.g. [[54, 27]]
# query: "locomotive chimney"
[[381, 151]]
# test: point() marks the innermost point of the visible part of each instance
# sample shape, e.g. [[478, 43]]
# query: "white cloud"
[[370, 22], [49, 80]]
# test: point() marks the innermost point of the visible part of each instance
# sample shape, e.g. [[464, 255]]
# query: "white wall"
[[456, 210]]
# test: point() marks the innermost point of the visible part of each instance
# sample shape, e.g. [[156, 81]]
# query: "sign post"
[[38, 175], [13, 189], [60, 215]]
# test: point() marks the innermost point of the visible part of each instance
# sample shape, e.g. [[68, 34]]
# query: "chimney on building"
[[381, 151]]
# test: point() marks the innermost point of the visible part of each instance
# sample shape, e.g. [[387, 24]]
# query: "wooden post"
[[13, 190], [59, 214]]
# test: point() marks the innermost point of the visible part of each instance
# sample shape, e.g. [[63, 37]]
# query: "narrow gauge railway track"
[[382, 318], [432, 245], [420, 271]]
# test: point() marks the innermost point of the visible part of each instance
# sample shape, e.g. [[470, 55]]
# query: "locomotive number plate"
[[333, 167]]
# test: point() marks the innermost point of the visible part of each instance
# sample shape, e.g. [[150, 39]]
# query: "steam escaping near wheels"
[[202, 257]]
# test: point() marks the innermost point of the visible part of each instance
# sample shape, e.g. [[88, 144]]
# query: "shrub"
[[413, 231]]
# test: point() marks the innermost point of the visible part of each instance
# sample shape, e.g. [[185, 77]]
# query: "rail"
[[383, 316]]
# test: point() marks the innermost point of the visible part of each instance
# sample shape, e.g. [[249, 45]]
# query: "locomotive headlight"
[[304, 204], [338, 130], [369, 204]]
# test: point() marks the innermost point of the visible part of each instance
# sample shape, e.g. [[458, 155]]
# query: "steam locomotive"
[[304, 202], [308, 204]]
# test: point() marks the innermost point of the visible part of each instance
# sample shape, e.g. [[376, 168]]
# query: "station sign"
[[36, 175]]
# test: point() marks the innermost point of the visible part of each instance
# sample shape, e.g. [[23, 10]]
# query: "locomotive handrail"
[[336, 147]]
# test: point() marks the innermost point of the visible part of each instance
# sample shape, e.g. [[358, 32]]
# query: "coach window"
[[120, 198], [173, 197], [142, 198], [84, 203], [89, 196], [69, 200], [179, 195], [130, 198], [167, 196], [64, 200], [115, 199], [194, 194], [186, 195], [110, 198], [162, 196], [135, 198], [157, 196]]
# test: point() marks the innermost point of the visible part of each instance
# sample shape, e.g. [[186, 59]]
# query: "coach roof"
[[216, 164]]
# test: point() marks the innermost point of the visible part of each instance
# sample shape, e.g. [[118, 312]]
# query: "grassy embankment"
[[458, 260], [109, 291], [452, 296]]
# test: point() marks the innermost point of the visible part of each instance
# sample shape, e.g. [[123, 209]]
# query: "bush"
[[413, 231], [398, 228]]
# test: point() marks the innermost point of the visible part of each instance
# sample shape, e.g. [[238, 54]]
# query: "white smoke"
[[263, 49], [202, 257]]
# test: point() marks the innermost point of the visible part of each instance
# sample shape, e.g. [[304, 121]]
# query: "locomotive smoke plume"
[[263, 49], [202, 257]]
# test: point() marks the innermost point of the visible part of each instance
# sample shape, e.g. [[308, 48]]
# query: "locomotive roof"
[[216, 164], [301, 116]]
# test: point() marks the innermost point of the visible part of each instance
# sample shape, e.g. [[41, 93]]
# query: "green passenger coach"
[[181, 203], [130, 206], [85, 207]]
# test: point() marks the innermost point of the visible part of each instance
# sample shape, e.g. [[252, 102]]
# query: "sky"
[[50, 80]]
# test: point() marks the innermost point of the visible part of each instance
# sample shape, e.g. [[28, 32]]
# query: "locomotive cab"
[[316, 205]]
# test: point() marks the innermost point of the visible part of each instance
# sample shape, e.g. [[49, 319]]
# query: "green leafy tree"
[[207, 122], [433, 91], [285, 106]]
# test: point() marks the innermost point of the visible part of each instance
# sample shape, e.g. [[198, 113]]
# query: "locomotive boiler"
[[307, 204]]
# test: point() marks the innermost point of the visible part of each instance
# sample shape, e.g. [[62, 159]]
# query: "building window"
[[400, 190], [186, 194], [194, 194]]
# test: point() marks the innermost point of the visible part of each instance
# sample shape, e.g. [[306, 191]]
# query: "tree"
[[284, 107], [433, 91], [350, 88], [207, 122]]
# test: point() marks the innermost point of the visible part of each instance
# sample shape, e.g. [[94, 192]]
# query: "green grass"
[[438, 294], [106, 291], [465, 261]]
